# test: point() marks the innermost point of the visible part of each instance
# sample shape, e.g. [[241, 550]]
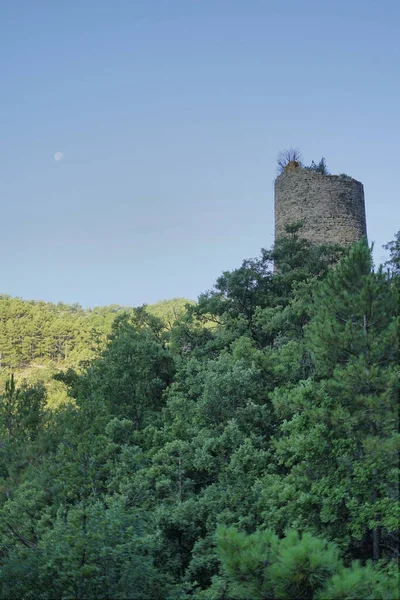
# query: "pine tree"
[[339, 440]]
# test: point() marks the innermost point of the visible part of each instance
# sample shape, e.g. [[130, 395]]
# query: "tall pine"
[[338, 442]]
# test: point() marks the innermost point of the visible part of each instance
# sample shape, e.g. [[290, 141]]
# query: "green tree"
[[337, 448], [133, 372], [394, 250], [298, 566]]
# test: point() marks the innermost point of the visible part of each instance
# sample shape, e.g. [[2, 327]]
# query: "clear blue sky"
[[170, 115]]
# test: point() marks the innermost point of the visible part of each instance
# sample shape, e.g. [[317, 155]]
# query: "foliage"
[[39, 341], [320, 167], [394, 250], [305, 567], [266, 412], [292, 157]]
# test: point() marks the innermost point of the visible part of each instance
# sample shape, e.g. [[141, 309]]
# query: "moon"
[[58, 156]]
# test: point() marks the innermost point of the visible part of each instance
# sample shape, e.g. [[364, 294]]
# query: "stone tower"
[[331, 207]]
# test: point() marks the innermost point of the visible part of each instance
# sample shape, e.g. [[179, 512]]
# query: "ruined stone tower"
[[331, 207]]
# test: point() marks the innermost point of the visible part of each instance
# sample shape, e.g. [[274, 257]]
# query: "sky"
[[169, 115]]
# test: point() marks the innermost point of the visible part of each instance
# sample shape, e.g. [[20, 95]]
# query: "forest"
[[244, 446]]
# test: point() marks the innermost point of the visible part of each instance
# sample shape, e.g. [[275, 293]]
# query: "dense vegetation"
[[244, 448], [39, 339]]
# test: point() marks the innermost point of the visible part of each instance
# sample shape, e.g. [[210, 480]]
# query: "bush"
[[286, 157]]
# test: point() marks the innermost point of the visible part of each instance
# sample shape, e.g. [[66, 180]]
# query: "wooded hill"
[[246, 448], [38, 339]]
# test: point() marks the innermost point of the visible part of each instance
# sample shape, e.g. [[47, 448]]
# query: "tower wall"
[[331, 207]]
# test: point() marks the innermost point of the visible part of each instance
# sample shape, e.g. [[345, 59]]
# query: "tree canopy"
[[244, 446]]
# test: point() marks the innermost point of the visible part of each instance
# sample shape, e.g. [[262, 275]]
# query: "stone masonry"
[[331, 207]]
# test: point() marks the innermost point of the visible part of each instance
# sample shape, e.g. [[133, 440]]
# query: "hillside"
[[39, 339]]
